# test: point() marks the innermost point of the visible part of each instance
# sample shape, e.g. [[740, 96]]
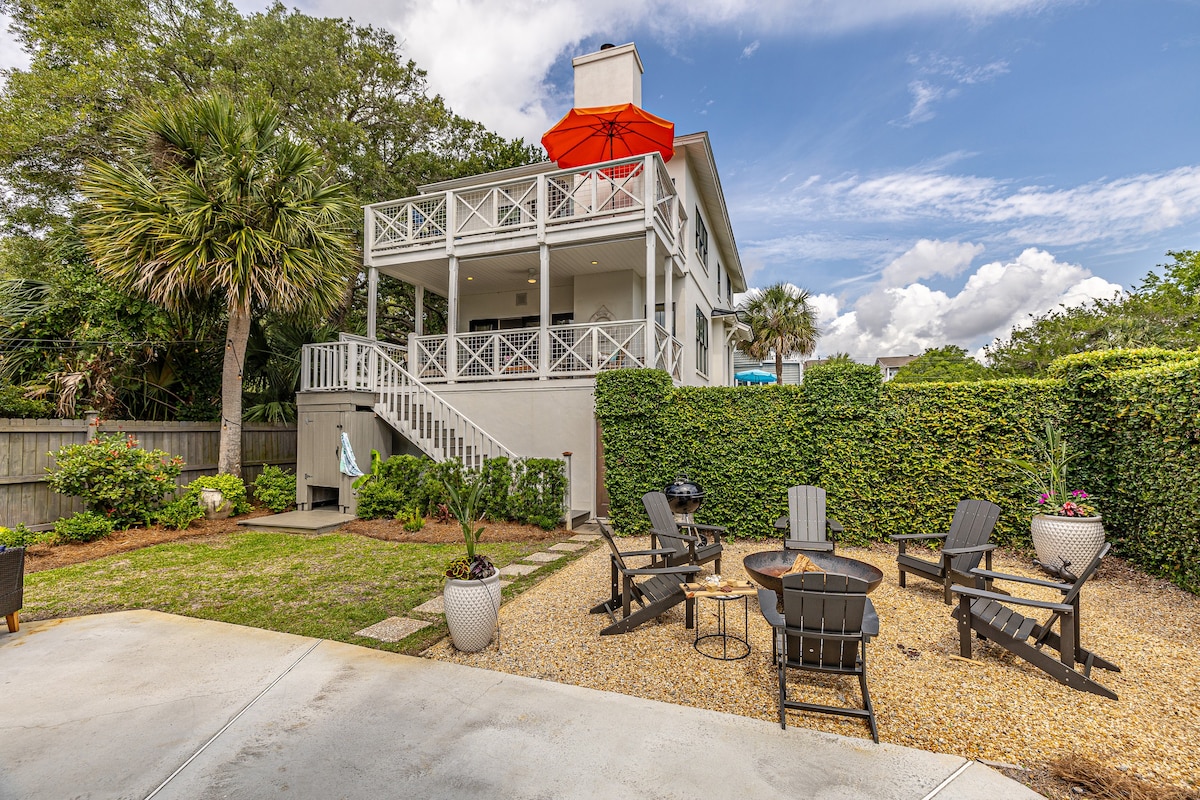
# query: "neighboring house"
[[890, 365], [793, 371], [550, 277]]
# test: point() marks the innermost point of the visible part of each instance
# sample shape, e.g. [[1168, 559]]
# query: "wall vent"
[[522, 298]]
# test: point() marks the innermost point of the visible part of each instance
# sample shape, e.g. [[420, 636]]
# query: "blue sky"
[[932, 171]]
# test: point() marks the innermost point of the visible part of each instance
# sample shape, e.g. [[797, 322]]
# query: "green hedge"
[[897, 458], [527, 490]]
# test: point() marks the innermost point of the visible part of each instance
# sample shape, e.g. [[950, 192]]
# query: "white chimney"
[[609, 77]]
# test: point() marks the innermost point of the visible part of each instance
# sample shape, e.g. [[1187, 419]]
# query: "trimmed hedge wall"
[[897, 458]]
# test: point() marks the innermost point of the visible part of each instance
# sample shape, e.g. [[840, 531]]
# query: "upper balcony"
[[602, 201]]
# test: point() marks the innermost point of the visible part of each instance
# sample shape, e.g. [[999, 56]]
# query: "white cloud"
[[750, 49], [935, 70], [490, 60], [904, 319], [928, 258], [1116, 211], [924, 96]]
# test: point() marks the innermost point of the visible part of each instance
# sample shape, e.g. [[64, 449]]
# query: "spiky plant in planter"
[[471, 596], [464, 505]]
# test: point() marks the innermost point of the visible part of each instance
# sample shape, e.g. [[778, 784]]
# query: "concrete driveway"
[[140, 704]]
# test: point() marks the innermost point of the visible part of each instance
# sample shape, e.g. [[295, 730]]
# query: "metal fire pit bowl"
[[766, 568]]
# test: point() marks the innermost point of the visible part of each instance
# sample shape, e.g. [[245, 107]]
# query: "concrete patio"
[[140, 704]]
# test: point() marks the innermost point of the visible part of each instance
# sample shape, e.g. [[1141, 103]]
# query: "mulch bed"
[[40, 557]]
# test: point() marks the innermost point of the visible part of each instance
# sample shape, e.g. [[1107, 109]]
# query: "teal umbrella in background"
[[754, 376]]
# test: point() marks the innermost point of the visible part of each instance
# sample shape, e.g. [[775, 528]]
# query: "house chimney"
[[608, 77]]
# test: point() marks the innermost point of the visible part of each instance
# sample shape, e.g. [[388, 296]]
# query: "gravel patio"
[[995, 707]]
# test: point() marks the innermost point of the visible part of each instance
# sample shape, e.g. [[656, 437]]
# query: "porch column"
[[452, 322], [419, 310], [372, 299], [651, 269], [668, 295], [544, 308]]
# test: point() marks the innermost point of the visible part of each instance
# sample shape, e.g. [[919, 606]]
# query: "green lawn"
[[323, 586]]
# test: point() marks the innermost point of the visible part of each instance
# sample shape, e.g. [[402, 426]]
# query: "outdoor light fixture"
[[595, 262], [531, 278], [470, 278]]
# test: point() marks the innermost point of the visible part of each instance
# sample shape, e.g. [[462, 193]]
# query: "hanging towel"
[[347, 462]]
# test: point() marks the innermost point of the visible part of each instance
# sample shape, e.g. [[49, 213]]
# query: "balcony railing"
[[610, 190], [574, 351]]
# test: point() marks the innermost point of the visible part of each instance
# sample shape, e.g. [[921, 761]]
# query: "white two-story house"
[[550, 276]]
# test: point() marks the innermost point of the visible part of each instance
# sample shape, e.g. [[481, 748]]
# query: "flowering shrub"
[[114, 477]]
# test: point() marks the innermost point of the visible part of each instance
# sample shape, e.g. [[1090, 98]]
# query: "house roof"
[[893, 361], [700, 156]]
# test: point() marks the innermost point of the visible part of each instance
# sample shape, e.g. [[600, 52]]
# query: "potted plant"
[[1067, 530], [471, 595]]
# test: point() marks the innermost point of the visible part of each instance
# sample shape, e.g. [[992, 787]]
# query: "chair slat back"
[[1070, 596], [972, 526], [607, 533], [662, 519], [823, 603], [806, 515]]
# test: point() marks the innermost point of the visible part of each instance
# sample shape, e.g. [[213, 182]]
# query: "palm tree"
[[216, 200], [781, 321]]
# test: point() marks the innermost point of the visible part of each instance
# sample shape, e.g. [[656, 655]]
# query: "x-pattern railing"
[[497, 354], [586, 349], [606, 190], [668, 352], [430, 352]]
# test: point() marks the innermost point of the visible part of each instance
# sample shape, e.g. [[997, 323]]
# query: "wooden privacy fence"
[[25, 445]]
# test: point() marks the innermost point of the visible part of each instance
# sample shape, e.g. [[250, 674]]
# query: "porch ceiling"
[[510, 271]]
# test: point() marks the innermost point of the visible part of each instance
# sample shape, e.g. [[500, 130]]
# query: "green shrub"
[[379, 500], [434, 481], [86, 526], [15, 405], [497, 484], [179, 516], [114, 477], [231, 487], [411, 518], [22, 536], [538, 492], [275, 488]]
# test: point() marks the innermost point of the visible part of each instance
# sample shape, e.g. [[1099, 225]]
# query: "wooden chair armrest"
[[834, 526], [912, 537], [870, 623], [783, 523], [663, 571], [960, 551], [686, 537], [1010, 600], [767, 600], [1003, 576], [660, 551]]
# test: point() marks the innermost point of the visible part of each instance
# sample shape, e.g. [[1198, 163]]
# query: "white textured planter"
[[213, 504], [471, 611], [1073, 541]]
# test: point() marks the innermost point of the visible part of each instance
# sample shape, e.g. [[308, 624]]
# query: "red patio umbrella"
[[590, 135]]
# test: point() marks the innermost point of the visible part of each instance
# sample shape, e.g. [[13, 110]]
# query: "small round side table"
[[732, 647]]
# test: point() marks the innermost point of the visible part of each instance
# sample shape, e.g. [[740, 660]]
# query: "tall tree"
[[949, 364], [217, 200], [781, 322]]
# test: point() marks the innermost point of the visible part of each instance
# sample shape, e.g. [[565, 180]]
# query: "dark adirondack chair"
[[654, 589], [806, 524], [12, 586], [989, 616], [962, 547], [691, 542], [826, 623]]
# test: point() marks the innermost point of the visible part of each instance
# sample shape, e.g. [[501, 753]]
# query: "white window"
[[701, 241]]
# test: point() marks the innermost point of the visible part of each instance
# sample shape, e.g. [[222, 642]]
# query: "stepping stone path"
[[518, 569], [569, 547], [393, 629], [434, 606], [584, 537], [543, 558]]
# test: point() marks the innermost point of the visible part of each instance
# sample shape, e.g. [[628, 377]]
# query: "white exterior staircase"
[[419, 414]]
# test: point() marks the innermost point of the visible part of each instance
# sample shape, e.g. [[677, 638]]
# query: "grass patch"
[[322, 586]]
